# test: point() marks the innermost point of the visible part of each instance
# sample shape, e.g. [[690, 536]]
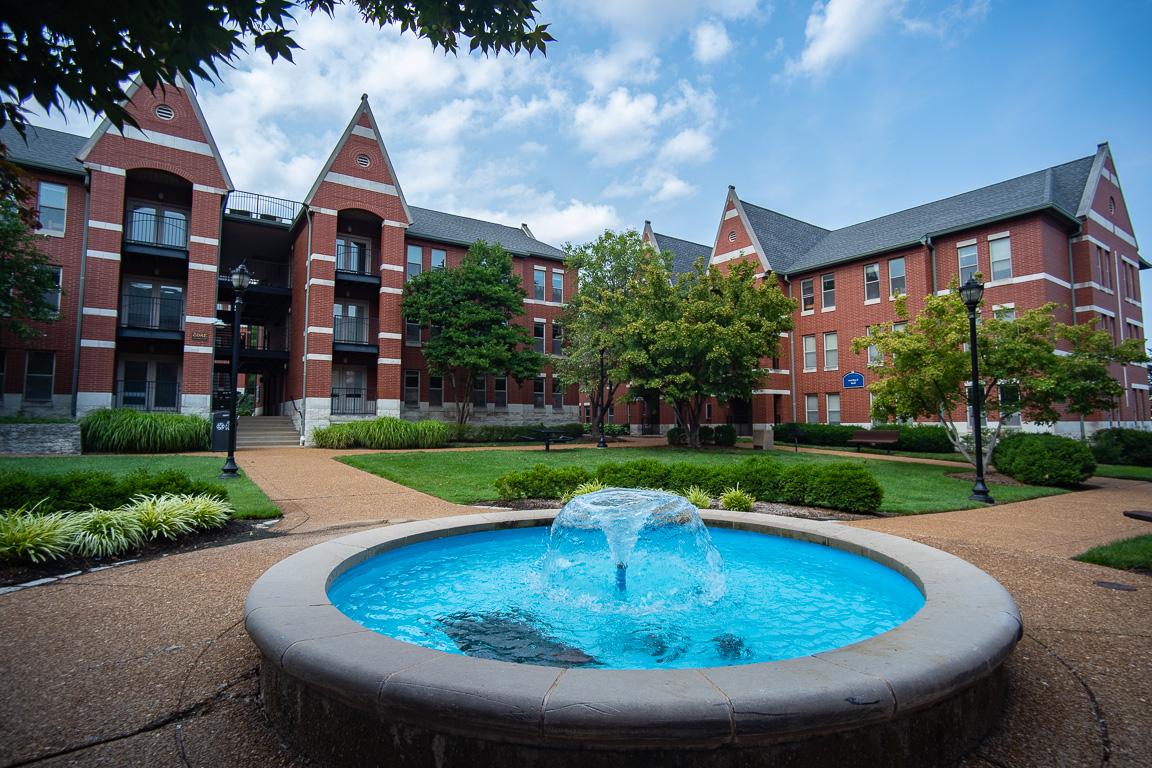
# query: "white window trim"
[[879, 281], [804, 352], [39, 195], [825, 342], [806, 312]]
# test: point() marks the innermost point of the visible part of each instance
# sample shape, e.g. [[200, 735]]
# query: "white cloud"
[[691, 145], [552, 221], [617, 129], [710, 42], [943, 23], [656, 186], [836, 30]]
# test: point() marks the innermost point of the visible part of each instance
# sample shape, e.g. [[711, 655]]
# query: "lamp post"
[[241, 277], [602, 442], [971, 293]]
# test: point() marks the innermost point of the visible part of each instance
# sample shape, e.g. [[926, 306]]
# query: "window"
[[1007, 313], [353, 255], [52, 295], [557, 393], [708, 412], [146, 303], [154, 224], [831, 351], [538, 277], [412, 388], [557, 286], [1001, 253], [810, 353], [557, 338], [149, 384], [38, 372], [1010, 403], [967, 255], [500, 391], [833, 402], [538, 336], [436, 390], [828, 291], [538, 392], [1104, 267], [871, 282], [873, 351], [479, 392], [897, 284], [807, 295], [900, 327], [812, 409], [415, 261], [350, 322], [439, 259], [411, 333], [52, 205]]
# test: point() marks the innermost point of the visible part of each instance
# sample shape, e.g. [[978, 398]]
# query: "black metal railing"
[[351, 401], [147, 395], [350, 330], [262, 207], [164, 229], [162, 313], [252, 337], [267, 274], [359, 263]]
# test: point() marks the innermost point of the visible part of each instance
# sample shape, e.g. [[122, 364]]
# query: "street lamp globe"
[[971, 293]]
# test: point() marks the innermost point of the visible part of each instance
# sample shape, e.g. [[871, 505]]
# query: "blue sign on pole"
[[853, 380]]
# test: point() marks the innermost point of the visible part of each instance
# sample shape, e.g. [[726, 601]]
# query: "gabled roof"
[[44, 149], [800, 247], [684, 252], [461, 230]]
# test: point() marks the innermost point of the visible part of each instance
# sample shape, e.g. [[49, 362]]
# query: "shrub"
[[205, 512], [503, 433], [589, 487], [123, 430], [916, 438], [541, 482], [698, 497], [843, 486], [707, 435], [676, 436], [725, 435], [759, 476], [736, 500], [160, 517], [794, 483], [384, 433], [105, 490], [1042, 459], [26, 535], [643, 473], [105, 532], [922, 438], [1123, 446]]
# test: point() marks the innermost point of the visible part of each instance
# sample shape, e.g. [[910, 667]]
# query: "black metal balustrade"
[[167, 229], [148, 395], [351, 401], [163, 313], [262, 207], [265, 273], [350, 330]]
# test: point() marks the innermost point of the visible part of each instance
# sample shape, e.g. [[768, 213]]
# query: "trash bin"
[[763, 438], [221, 424]]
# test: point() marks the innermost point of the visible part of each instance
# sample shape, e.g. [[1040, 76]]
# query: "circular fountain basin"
[[921, 694]]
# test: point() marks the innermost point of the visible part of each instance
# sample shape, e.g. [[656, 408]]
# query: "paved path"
[[148, 664]]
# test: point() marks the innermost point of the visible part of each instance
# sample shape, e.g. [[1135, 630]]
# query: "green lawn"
[[1124, 472], [1126, 554], [781, 446], [467, 477], [246, 498]]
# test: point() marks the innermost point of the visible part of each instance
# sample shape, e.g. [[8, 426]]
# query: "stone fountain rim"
[[967, 627]]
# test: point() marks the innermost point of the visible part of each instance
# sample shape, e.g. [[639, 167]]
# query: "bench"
[[549, 436], [875, 437]]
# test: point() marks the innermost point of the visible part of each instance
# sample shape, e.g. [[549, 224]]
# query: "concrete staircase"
[[266, 432]]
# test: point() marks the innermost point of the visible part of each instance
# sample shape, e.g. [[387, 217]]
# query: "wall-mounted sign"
[[853, 380], [199, 336]]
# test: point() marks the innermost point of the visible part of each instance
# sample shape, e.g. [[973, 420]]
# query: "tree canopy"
[[26, 277], [925, 367], [470, 309], [701, 334]]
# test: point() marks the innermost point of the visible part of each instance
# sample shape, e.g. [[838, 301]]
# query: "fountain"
[[625, 631]]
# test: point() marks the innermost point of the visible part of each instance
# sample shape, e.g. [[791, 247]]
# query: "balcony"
[[355, 266], [256, 343], [152, 317], [155, 232], [266, 275], [350, 334], [147, 395], [352, 401], [262, 208]]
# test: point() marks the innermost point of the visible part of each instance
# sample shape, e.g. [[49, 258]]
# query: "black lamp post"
[[602, 442], [971, 293], [241, 277]]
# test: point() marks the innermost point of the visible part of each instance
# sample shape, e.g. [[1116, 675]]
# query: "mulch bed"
[[234, 532]]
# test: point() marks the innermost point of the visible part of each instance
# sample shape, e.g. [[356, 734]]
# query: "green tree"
[[593, 345], [26, 281], [1082, 375], [926, 368], [470, 309], [701, 334]]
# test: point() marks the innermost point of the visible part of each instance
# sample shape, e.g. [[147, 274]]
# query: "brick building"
[[1059, 235], [144, 227]]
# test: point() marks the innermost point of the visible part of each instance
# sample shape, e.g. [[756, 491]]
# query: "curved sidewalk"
[[148, 663]]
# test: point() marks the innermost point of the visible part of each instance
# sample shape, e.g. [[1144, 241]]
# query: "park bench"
[[875, 437]]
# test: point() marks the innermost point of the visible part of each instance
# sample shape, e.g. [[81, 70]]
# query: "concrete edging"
[[943, 662]]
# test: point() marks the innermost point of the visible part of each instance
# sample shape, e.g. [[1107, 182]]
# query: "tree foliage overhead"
[[702, 334], [471, 309], [68, 52], [594, 347], [25, 275], [926, 366]]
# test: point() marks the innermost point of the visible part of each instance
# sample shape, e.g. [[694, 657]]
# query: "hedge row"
[[722, 435], [1123, 446], [123, 430], [502, 433], [1043, 459], [384, 433], [89, 488], [921, 438], [838, 485]]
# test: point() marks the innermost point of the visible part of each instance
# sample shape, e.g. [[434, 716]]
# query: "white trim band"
[[167, 140], [210, 190], [395, 291], [323, 257], [345, 180], [731, 214], [542, 303], [204, 240], [103, 255], [318, 329], [736, 254], [188, 348], [391, 268], [1028, 279], [322, 211], [318, 356], [390, 223], [1118, 231], [106, 169], [1094, 308], [388, 361], [99, 312], [322, 281], [201, 320], [110, 226], [360, 130], [389, 335], [202, 267], [97, 344], [771, 392]]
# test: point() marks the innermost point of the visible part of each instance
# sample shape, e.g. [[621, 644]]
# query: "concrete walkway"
[[148, 664]]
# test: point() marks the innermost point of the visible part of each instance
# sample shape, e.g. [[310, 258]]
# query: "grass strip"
[[1127, 554]]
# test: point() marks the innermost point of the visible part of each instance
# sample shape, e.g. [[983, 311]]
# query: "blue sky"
[[831, 112]]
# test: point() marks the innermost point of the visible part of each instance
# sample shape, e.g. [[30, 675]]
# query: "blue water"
[[485, 594]]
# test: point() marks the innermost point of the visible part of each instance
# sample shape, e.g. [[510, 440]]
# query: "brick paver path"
[[148, 664]]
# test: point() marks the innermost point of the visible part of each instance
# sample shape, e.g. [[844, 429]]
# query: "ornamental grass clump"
[[589, 487], [26, 535], [736, 500], [123, 430], [105, 532], [161, 517], [698, 497], [205, 512], [384, 433]]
